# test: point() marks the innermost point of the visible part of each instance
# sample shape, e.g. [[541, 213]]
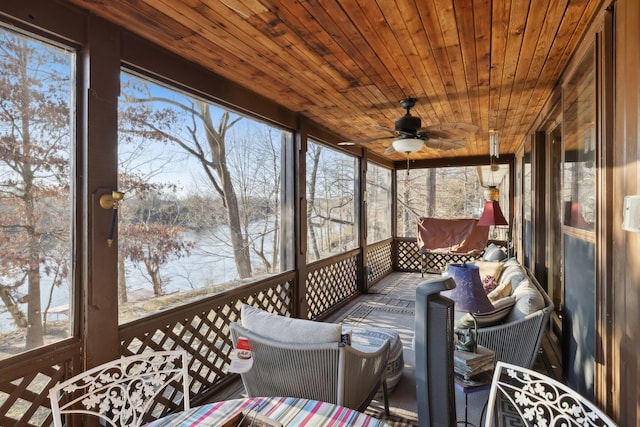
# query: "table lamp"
[[469, 295]]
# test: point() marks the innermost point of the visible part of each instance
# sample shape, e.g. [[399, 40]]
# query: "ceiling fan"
[[410, 137]]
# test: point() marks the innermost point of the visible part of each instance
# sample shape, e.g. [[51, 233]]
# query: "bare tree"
[[330, 201], [35, 119], [430, 186], [204, 139], [255, 163], [151, 227], [153, 245]]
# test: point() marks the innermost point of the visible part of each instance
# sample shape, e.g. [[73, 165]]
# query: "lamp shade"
[[573, 215], [468, 295], [492, 214], [407, 145]]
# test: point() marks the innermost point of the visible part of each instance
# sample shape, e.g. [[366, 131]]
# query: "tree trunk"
[[35, 336], [12, 307], [311, 232], [430, 208], [156, 281], [239, 242], [122, 282]]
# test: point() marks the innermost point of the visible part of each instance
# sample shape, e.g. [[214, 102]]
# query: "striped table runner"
[[289, 411]]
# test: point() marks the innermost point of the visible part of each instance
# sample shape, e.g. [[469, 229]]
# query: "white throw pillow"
[[501, 291], [287, 329], [513, 273], [488, 268], [528, 301]]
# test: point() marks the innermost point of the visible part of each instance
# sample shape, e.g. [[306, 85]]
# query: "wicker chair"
[[538, 400], [329, 372], [129, 391], [518, 341]]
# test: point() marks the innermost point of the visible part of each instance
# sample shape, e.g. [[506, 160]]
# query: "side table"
[[479, 383]]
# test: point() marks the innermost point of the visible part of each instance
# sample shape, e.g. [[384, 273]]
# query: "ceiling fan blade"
[[450, 130], [396, 132], [360, 141], [445, 144], [389, 150], [384, 128]]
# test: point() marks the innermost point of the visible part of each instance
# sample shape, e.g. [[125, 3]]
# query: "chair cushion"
[[370, 339], [528, 301], [287, 329], [501, 309]]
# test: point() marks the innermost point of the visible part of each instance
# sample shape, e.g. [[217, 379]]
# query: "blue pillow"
[[493, 253]]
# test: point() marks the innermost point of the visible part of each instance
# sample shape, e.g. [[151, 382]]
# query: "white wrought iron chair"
[[538, 400], [128, 391]]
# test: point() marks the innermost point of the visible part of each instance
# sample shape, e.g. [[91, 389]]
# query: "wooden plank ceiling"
[[345, 64]]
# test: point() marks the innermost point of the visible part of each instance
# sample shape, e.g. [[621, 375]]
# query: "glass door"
[[579, 102]]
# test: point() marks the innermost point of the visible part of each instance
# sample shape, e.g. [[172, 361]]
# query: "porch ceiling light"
[[492, 214], [407, 145]]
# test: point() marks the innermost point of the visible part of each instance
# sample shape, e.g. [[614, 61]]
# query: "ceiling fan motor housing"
[[408, 123]]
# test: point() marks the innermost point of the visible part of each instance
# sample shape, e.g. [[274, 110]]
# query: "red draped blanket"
[[462, 236]]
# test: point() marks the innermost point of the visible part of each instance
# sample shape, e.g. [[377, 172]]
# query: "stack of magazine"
[[469, 365]]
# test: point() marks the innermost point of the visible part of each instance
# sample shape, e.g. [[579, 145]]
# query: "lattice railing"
[[436, 262], [411, 259], [408, 256], [202, 328], [25, 387], [330, 282], [379, 261]]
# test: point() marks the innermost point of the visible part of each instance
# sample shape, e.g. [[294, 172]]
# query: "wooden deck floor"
[[398, 290]]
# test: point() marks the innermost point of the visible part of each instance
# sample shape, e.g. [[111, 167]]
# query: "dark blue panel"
[[578, 329], [526, 240]]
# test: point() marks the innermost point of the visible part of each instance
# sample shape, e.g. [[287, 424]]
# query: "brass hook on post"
[[112, 201]]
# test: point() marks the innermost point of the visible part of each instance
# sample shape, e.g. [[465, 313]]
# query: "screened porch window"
[[331, 186], [37, 136], [579, 138], [448, 192], [378, 203], [202, 209]]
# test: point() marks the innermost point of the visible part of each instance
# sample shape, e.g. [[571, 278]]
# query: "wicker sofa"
[[517, 336]]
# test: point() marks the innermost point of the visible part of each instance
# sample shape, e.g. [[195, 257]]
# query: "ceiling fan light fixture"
[[407, 145]]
